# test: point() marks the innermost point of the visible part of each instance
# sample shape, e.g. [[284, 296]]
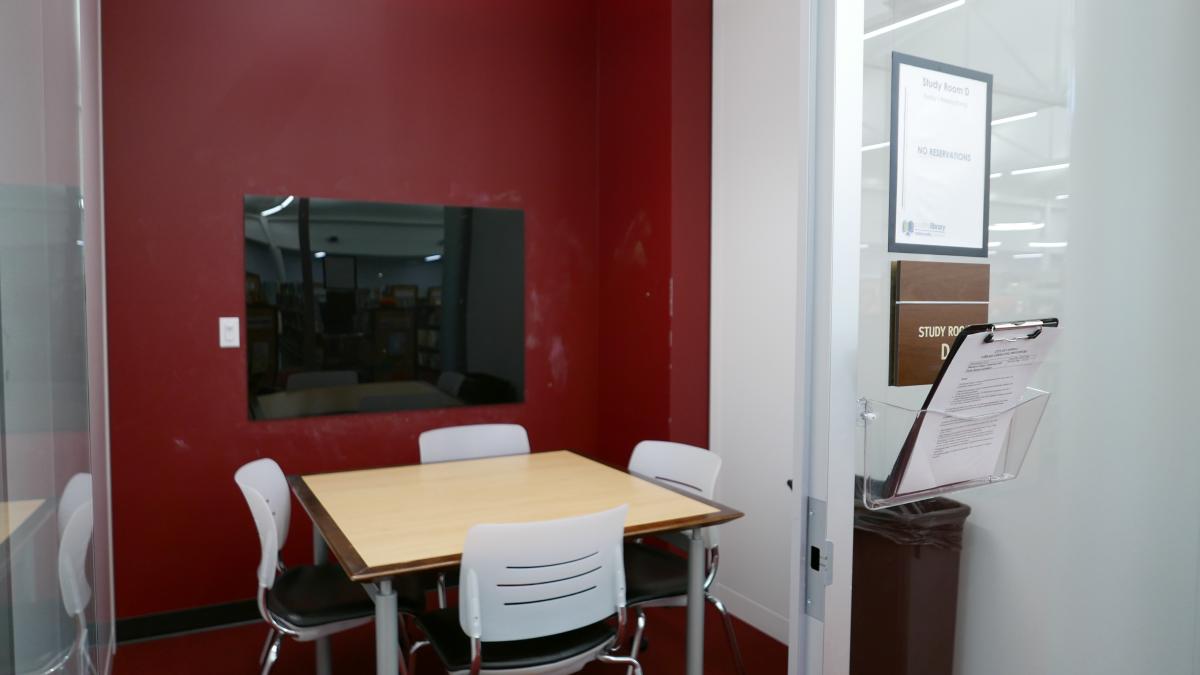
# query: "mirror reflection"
[[356, 306]]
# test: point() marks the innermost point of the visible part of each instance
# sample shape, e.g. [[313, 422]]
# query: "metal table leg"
[[387, 630], [324, 654], [695, 604]]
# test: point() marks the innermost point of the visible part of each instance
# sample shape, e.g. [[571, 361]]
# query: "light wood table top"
[[14, 514], [381, 522]]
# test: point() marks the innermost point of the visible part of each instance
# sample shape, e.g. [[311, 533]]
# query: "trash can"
[[906, 588]]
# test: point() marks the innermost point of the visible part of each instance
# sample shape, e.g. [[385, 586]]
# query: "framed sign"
[[941, 156]]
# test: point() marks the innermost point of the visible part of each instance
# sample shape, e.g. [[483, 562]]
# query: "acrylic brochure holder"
[[886, 429]]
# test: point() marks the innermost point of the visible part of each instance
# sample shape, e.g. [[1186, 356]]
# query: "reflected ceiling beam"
[[913, 19], [1017, 56]]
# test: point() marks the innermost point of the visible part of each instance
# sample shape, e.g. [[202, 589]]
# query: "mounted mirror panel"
[[373, 307]]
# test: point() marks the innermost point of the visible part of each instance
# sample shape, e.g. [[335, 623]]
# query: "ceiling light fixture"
[[995, 244], [1014, 118], [1015, 227], [1047, 244], [1040, 169], [913, 19], [433, 258], [279, 207], [319, 254], [876, 146], [996, 175], [1062, 197], [1027, 256]]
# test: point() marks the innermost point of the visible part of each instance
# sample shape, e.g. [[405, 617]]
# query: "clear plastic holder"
[[886, 427]]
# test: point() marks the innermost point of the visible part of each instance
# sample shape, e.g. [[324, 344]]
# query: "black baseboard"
[[150, 626]]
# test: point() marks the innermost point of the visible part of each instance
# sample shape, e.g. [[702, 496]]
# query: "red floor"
[[235, 650]]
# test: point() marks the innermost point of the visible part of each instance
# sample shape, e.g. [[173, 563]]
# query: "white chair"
[[657, 577], [535, 599], [318, 379], [308, 602], [472, 441], [451, 382], [74, 536], [76, 493]]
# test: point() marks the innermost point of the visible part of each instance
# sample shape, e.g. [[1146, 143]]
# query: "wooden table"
[[14, 514], [380, 523]]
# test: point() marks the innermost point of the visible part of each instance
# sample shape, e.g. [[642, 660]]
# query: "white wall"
[[759, 136]]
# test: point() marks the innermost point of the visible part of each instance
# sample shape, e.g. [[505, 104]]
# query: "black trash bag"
[[934, 522]]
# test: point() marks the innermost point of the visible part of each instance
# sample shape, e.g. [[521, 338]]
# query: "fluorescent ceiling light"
[[79, 242], [997, 174], [319, 254], [1047, 244], [913, 19], [279, 207], [1015, 227], [1062, 197], [992, 253], [433, 258], [1014, 118], [995, 244], [1039, 169], [1027, 256], [876, 146]]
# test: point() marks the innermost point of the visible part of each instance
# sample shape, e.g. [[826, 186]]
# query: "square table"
[[381, 523]]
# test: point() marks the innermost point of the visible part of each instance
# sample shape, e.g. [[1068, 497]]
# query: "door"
[[1088, 562]]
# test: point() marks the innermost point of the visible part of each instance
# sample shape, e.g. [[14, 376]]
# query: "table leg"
[[387, 630], [695, 605], [320, 548], [324, 654]]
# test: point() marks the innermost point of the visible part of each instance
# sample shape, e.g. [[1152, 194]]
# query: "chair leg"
[[622, 660], [441, 590], [740, 667], [272, 654], [404, 645], [262, 656], [636, 645], [412, 654]]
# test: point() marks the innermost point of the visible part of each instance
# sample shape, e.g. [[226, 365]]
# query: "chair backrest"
[[527, 580], [681, 466], [321, 378], [72, 560], [472, 441], [451, 382], [266, 491], [77, 492]]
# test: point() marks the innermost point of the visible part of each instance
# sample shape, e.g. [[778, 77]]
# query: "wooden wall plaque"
[[931, 303]]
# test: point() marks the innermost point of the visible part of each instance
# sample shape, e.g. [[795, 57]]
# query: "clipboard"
[[1013, 331]]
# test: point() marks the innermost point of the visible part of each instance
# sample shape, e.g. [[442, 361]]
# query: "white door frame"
[[826, 443], [786, 193]]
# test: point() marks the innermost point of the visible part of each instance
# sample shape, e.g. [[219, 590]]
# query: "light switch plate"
[[231, 332]]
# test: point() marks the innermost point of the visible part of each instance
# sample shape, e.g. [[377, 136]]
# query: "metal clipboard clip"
[[1021, 325]]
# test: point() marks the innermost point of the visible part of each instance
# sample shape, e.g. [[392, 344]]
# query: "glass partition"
[[1086, 563], [55, 598]]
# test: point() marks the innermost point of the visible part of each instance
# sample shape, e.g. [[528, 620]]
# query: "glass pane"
[[1088, 562], [48, 441]]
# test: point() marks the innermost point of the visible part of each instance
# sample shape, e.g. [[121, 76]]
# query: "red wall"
[[416, 101], [654, 72]]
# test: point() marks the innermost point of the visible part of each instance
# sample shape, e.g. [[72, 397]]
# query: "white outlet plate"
[[230, 332]]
